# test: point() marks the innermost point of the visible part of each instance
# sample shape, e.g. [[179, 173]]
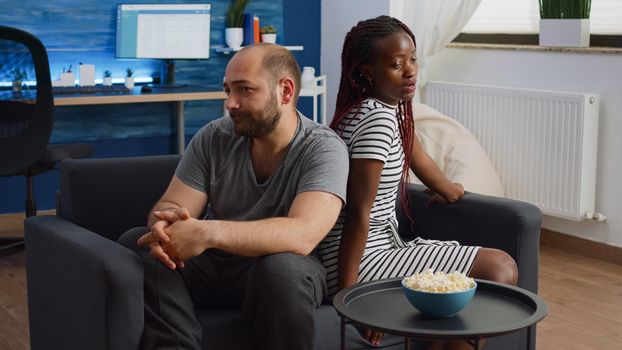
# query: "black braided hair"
[[358, 49]]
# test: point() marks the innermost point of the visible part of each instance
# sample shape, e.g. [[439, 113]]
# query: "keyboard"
[[57, 90]]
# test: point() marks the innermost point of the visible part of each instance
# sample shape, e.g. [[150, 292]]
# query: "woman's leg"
[[417, 256], [494, 265]]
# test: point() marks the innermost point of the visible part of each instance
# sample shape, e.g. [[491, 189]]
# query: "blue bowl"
[[439, 304]]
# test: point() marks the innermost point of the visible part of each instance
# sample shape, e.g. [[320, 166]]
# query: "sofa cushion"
[[456, 151]]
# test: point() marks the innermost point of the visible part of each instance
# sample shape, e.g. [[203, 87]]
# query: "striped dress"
[[371, 132]]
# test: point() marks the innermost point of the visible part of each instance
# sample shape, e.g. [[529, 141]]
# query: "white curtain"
[[435, 23]]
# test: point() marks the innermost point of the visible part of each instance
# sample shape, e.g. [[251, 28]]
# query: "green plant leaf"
[[18, 74], [565, 9], [267, 30], [235, 14]]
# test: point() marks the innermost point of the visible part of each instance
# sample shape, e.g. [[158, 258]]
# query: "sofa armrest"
[[84, 291], [493, 222]]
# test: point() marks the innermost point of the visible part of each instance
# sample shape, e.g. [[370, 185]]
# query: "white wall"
[[338, 17], [591, 73]]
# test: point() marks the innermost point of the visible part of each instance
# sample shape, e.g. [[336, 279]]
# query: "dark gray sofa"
[[85, 290]]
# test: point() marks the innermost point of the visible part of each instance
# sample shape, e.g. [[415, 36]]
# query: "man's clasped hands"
[[173, 237]]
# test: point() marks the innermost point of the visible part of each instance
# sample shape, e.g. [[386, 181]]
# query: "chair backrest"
[[26, 110]]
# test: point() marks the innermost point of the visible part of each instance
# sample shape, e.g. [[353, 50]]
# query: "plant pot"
[[268, 38], [129, 83], [107, 81], [565, 32], [17, 86], [67, 79], [234, 37]]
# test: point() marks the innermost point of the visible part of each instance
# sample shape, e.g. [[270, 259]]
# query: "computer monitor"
[[163, 31]]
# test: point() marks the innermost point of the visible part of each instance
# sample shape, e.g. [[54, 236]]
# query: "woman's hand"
[[454, 194]]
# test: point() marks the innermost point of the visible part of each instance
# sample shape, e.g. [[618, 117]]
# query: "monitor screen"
[[163, 31]]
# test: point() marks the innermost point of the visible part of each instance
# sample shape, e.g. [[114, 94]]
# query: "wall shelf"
[[228, 50], [318, 89]]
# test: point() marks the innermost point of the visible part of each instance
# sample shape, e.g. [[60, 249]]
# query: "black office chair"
[[27, 117]]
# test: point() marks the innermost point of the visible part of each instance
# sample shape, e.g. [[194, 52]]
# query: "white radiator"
[[542, 143]]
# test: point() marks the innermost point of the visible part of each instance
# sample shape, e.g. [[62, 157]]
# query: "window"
[[504, 16], [517, 21]]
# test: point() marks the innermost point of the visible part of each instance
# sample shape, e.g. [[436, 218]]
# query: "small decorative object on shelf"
[[268, 34], [19, 76], [67, 77], [87, 74], [248, 27], [565, 23], [107, 81], [234, 34], [256, 32], [308, 78], [129, 79]]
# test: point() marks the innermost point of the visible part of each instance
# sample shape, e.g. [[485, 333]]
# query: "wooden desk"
[[177, 95]]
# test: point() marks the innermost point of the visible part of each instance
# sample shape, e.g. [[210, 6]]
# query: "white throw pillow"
[[456, 152]]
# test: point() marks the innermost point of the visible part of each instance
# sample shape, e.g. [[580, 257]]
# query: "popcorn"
[[439, 282]]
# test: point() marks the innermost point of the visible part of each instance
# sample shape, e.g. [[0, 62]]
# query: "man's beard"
[[259, 125]]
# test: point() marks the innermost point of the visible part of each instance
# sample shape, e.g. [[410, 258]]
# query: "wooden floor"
[[584, 296]]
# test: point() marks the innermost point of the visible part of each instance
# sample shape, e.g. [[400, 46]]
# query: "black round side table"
[[496, 309]]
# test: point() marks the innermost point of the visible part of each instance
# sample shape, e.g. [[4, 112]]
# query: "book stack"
[[251, 29], [256, 29]]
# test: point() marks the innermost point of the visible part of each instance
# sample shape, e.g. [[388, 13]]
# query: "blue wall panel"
[[84, 31], [302, 27]]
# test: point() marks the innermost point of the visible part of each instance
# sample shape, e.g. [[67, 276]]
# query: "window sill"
[[515, 47]]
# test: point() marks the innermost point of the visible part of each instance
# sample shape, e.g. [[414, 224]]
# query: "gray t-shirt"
[[217, 162]]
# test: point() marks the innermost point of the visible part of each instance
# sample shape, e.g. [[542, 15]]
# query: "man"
[[272, 183]]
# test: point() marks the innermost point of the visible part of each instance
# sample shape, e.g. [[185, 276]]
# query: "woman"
[[374, 117]]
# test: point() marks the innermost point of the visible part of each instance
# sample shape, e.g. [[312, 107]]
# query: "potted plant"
[[234, 33], [107, 78], [268, 34], [129, 78], [565, 23], [19, 76]]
